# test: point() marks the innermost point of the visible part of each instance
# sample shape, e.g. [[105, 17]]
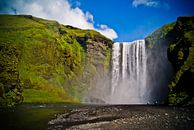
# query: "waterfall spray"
[[139, 75]]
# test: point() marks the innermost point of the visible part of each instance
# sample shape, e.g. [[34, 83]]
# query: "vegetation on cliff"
[[44, 61], [179, 37], [181, 55]]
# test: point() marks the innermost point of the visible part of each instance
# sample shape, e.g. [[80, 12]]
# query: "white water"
[[139, 75], [128, 84]]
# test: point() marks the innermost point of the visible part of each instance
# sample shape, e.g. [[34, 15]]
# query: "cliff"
[[179, 39], [44, 61]]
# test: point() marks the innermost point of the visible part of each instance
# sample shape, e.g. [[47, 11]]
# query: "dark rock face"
[[181, 55], [176, 42], [159, 68], [97, 67]]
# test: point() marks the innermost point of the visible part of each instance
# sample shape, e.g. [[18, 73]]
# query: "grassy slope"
[[48, 59]]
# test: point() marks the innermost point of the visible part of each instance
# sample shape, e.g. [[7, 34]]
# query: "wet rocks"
[[124, 117]]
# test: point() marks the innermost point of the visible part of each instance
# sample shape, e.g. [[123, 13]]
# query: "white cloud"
[[108, 32], [149, 3], [60, 10]]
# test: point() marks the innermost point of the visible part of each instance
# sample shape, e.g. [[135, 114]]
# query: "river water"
[[32, 116]]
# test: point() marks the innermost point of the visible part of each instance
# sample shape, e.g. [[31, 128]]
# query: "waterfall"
[[139, 75], [128, 85]]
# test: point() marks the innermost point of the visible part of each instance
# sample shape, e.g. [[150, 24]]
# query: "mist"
[[139, 74]]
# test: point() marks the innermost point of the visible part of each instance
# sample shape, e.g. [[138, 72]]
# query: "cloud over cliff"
[[60, 10]]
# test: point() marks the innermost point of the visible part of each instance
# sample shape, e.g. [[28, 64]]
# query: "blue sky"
[[121, 20], [132, 22]]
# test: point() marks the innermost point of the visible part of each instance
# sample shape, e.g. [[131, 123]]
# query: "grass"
[[46, 96], [48, 59]]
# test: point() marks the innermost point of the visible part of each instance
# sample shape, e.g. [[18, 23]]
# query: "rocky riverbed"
[[68, 116], [124, 117]]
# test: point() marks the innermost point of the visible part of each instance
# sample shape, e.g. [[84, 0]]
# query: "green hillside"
[[44, 61]]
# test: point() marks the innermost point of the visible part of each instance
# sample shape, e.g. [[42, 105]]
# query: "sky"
[[119, 20]]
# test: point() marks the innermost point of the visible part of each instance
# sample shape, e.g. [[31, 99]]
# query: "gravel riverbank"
[[125, 117]]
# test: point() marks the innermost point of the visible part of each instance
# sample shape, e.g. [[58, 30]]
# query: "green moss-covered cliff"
[[179, 39], [44, 61]]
